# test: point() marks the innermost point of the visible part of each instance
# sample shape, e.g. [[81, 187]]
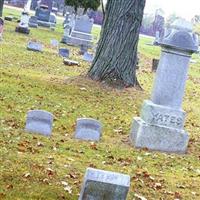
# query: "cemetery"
[[66, 136]]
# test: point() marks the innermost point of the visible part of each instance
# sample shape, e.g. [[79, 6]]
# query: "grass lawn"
[[34, 167]]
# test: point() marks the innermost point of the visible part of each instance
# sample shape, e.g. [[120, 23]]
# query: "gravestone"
[[81, 33], [1, 28], [88, 129], [54, 43], [45, 17], [33, 22], [68, 26], [83, 49], [160, 126], [64, 52], [23, 25], [88, 57], [39, 121], [155, 63], [35, 46], [42, 13], [8, 18], [104, 185]]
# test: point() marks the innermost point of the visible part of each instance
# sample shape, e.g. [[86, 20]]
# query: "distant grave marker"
[[64, 52], [104, 185], [39, 121], [33, 22], [54, 43], [88, 129], [35, 46], [88, 57]]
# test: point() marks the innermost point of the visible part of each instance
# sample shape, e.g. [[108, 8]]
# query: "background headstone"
[[39, 121], [64, 52], [88, 57], [88, 129], [99, 185], [35, 46]]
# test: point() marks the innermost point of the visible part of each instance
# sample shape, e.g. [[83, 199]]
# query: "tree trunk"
[[116, 56], [1, 7]]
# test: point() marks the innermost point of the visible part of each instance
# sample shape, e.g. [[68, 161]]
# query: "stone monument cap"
[[180, 37]]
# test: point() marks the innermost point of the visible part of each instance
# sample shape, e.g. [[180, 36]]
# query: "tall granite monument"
[[160, 126]]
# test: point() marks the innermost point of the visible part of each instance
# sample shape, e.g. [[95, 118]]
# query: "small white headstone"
[[54, 43], [88, 129], [99, 185], [39, 121]]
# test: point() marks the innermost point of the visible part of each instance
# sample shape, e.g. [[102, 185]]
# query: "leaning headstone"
[[35, 46], [161, 124], [100, 184], [1, 28], [88, 129], [54, 43], [88, 57], [64, 52], [39, 121]]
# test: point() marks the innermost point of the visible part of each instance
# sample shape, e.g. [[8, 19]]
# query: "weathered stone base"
[[33, 25], [76, 41], [22, 30], [158, 138], [44, 24]]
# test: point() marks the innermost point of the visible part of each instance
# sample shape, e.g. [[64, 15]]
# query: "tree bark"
[[116, 57], [1, 7]]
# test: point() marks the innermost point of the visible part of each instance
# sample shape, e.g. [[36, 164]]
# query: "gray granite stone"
[[155, 114], [104, 185], [33, 22], [39, 121], [160, 126], [88, 129], [88, 57], [35, 46], [180, 36], [158, 138], [64, 52], [83, 24]]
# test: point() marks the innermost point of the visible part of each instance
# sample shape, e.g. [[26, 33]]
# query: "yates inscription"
[[166, 119]]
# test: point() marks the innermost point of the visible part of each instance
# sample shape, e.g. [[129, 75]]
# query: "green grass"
[[30, 80]]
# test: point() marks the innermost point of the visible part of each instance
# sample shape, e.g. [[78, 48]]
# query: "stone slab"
[[162, 115], [77, 41], [104, 185], [88, 129], [44, 24], [158, 138], [64, 52], [35, 46], [24, 30], [88, 57], [81, 35], [39, 121]]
